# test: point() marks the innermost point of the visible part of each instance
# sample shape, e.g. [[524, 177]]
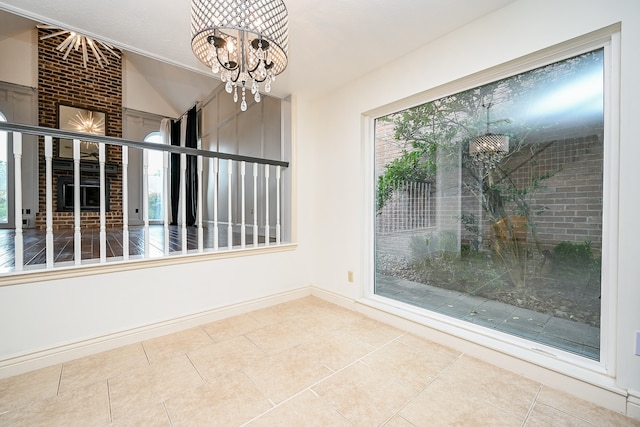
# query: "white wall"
[[332, 125], [22, 67], [47, 314]]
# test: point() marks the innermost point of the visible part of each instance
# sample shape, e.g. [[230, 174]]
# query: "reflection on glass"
[[489, 204]]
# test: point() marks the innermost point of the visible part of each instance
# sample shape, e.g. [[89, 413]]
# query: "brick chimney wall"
[[68, 82]]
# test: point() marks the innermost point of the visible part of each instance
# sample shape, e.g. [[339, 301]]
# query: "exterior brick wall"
[[568, 202], [68, 82]]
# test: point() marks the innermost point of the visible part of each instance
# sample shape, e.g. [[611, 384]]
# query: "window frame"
[[599, 371]]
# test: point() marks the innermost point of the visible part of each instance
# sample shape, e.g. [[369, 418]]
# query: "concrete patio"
[[574, 337]]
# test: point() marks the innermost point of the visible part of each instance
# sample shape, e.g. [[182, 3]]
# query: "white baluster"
[[166, 203], [278, 171], [215, 203], [183, 199], [77, 236], [19, 238], [229, 211], [242, 213], [48, 156], [103, 224], [266, 201], [125, 202], [145, 200], [199, 207], [255, 204]]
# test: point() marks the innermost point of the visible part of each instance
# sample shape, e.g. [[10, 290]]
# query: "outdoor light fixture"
[[75, 41], [245, 41], [489, 148]]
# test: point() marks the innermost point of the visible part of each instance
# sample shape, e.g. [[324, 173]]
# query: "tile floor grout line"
[[145, 353], [109, 398], [60, 379], [204, 381], [423, 388], [166, 412], [533, 404], [323, 379], [310, 387]]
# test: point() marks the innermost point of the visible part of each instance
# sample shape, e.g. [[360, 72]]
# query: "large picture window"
[[489, 204]]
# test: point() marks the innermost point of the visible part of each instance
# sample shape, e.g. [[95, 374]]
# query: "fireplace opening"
[[89, 195]]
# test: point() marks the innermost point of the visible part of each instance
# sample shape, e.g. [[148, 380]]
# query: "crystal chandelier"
[[489, 148], [76, 41], [244, 41]]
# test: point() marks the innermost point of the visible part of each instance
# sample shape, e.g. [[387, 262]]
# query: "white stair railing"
[[259, 202]]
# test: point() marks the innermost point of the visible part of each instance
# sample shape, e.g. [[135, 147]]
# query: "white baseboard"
[[19, 364]]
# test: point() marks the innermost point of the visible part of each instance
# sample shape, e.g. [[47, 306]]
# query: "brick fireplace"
[[67, 82]]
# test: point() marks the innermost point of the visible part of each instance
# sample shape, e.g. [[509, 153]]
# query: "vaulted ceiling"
[[332, 42]]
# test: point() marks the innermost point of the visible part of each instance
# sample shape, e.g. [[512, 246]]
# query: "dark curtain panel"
[[192, 165], [175, 171]]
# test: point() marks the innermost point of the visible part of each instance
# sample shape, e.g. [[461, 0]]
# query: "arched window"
[[156, 179], [4, 175]]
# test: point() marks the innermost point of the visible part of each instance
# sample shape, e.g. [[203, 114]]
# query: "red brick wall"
[[68, 82]]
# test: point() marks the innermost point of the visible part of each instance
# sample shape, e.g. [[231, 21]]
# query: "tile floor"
[[302, 363]]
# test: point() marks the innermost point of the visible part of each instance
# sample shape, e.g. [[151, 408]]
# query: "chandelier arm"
[[224, 65], [235, 79], [85, 56], [109, 48], [254, 77], [69, 48], [53, 34], [68, 41]]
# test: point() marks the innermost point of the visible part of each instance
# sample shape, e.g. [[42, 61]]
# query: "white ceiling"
[[331, 42]]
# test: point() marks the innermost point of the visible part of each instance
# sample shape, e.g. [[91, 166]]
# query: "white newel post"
[[183, 200], [215, 203], [229, 210], [242, 202], [77, 236], [278, 172], [255, 204], [125, 202], [199, 207], [166, 202], [18, 242], [48, 157], [145, 200], [266, 201], [103, 187]]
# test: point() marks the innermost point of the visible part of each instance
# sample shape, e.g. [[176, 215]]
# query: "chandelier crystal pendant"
[[244, 41]]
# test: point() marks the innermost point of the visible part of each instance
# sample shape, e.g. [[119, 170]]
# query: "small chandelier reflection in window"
[[489, 148], [245, 41]]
